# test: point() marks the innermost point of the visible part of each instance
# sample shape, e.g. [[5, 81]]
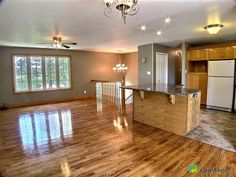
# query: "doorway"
[[161, 68]]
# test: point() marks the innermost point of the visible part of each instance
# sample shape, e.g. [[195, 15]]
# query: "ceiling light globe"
[[58, 45], [159, 32], [213, 29], [167, 20], [143, 28]]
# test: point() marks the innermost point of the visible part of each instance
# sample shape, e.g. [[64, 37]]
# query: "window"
[[38, 73], [64, 72], [21, 74], [51, 73]]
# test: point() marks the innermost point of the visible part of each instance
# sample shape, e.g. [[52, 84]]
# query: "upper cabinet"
[[228, 52], [203, 54], [212, 53], [221, 53], [198, 54], [193, 54]]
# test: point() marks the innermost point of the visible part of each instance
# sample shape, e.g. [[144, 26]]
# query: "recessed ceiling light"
[[167, 20], [143, 28], [159, 32], [213, 28]]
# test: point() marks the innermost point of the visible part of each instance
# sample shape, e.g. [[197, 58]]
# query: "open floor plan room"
[[74, 139], [136, 88]]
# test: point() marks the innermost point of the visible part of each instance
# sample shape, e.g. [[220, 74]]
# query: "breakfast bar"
[[166, 106]]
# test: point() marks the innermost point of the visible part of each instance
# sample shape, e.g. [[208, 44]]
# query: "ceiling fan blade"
[[65, 46], [72, 43]]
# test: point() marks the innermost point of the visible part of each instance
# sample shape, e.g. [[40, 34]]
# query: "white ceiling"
[[29, 22]]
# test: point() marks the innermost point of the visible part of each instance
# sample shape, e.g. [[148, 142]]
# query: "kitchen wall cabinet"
[[194, 55], [212, 52], [215, 53], [203, 54], [234, 52], [228, 52], [221, 53]]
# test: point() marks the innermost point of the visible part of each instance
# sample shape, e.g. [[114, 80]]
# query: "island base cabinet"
[[155, 109]]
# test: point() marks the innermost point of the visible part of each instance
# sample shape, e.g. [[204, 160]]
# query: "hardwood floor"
[[89, 138]]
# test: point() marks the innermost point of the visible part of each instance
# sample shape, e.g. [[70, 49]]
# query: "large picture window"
[[38, 73]]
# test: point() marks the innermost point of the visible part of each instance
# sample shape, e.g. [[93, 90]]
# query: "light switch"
[[148, 73]]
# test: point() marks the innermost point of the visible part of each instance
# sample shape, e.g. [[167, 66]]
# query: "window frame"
[[43, 56]]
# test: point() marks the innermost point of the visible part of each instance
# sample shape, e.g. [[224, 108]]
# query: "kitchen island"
[[166, 106]]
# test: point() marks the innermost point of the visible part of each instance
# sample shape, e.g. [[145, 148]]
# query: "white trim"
[[166, 66]]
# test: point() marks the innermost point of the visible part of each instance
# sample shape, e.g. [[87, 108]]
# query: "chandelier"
[[120, 67], [126, 7]]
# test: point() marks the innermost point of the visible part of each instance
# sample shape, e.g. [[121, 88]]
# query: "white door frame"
[[166, 65]]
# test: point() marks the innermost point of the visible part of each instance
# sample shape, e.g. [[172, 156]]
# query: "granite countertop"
[[163, 88]]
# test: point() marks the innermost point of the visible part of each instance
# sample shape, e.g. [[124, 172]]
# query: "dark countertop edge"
[[168, 93]]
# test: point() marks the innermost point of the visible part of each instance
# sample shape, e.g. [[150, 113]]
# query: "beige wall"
[[86, 66], [131, 60]]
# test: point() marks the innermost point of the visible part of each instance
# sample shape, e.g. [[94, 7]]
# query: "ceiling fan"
[[57, 43]]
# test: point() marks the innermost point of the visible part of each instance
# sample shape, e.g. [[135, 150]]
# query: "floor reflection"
[[41, 129], [120, 123], [65, 168]]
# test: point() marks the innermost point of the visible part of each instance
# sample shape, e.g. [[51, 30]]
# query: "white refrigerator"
[[220, 84]]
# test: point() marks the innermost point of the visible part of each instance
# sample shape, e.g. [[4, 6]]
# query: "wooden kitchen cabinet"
[[193, 55], [215, 53], [221, 53], [234, 51], [201, 54], [199, 81], [228, 53]]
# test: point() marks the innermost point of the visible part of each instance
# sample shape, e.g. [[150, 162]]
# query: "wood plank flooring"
[[90, 138]]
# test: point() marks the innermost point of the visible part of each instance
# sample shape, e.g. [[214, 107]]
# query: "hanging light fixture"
[[214, 28], [57, 42], [120, 67], [126, 7]]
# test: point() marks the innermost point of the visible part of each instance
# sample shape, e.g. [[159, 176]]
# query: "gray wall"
[[145, 51], [184, 63], [149, 52], [86, 66]]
